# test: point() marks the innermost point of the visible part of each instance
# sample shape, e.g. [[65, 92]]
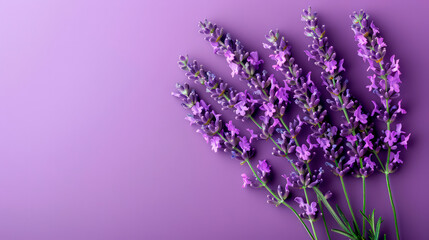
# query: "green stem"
[[393, 205], [347, 198], [379, 160], [323, 217], [311, 221], [344, 109], [330, 209], [364, 204], [257, 124]]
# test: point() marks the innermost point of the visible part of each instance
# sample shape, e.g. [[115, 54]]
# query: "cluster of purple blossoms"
[[310, 210], [288, 142], [307, 97], [303, 179], [227, 137], [385, 83], [243, 103], [245, 65], [219, 136], [357, 130]]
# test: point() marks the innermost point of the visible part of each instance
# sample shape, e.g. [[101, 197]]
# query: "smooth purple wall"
[[92, 145]]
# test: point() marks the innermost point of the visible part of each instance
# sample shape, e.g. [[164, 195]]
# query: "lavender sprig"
[[357, 129], [243, 64], [227, 138], [243, 103], [385, 83]]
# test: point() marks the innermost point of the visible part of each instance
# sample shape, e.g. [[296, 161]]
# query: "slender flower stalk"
[[357, 129], [226, 137], [385, 84]]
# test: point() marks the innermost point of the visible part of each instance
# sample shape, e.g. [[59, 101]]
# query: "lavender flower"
[[215, 143], [390, 138], [244, 144], [384, 83], [232, 128], [356, 122], [282, 193], [254, 60], [212, 126], [246, 64], [246, 181], [310, 209], [243, 103], [264, 167], [252, 135], [303, 152], [394, 158], [360, 116], [303, 179], [268, 109], [368, 142]]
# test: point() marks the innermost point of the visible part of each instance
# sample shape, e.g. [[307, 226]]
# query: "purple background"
[[94, 147]]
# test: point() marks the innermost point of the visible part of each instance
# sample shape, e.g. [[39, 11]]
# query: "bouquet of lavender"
[[350, 148]]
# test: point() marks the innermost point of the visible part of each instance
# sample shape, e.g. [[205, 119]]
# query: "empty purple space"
[[93, 146]]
